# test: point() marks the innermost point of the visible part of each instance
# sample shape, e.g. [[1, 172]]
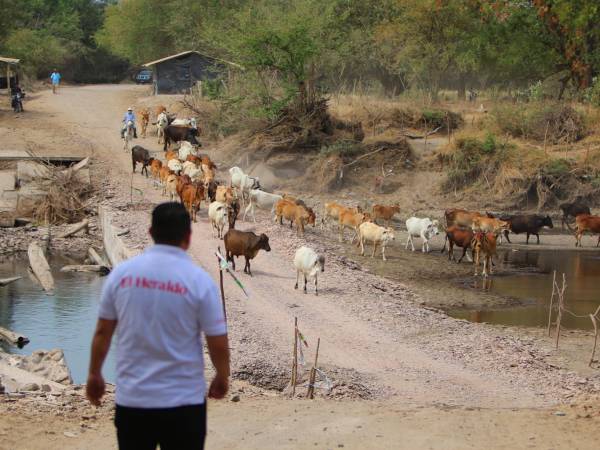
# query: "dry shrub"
[[554, 122], [65, 197], [515, 176]]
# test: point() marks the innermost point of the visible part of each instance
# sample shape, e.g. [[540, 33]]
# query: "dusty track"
[[409, 356]]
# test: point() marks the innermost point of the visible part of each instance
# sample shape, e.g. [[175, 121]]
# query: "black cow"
[[573, 210], [176, 134], [140, 155], [527, 223]]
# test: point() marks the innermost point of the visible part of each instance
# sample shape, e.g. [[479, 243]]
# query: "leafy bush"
[[592, 94], [347, 149], [557, 167], [473, 158]]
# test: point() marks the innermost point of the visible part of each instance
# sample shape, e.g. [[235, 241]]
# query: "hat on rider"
[[130, 109]]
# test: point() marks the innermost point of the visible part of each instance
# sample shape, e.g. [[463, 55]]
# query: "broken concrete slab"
[[8, 180]]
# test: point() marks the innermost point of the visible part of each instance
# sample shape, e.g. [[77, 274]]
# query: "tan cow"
[[352, 220], [385, 212], [484, 244]]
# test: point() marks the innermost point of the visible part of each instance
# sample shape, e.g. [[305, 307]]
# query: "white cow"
[[423, 228], [191, 122], [190, 169], [162, 122], [309, 263], [243, 182], [217, 213], [262, 200], [175, 165], [186, 149], [371, 232]]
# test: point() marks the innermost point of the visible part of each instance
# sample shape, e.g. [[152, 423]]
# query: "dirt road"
[[435, 382]]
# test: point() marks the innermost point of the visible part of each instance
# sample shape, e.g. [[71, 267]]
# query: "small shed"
[[178, 74], [8, 73]]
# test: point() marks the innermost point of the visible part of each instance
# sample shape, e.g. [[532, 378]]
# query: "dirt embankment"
[[425, 370]]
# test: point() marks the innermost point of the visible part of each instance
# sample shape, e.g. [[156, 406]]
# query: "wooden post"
[[8, 83], [546, 136], [295, 358], [593, 317], [313, 373], [221, 285], [561, 302], [551, 302]]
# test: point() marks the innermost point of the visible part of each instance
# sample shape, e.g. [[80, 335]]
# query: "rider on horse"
[[129, 116]]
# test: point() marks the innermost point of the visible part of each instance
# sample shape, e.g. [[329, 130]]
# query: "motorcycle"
[[17, 101]]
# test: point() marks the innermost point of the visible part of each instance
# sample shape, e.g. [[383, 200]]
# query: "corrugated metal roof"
[[9, 60], [178, 55]]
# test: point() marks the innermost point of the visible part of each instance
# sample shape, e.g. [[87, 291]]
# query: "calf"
[[163, 173], [162, 122], [262, 200], [583, 223], [171, 155], [224, 194], [308, 263], [423, 228], [217, 213], [484, 243], [573, 210], [155, 167], [175, 166], [171, 187], [333, 209], [385, 212], [489, 225], [372, 232], [192, 195], [461, 237], [285, 209], [140, 155], [144, 119], [246, 244], [527, 223], [352, 220], [177, 134]]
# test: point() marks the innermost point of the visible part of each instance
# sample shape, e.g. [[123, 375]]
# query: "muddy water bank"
[[518, 292]]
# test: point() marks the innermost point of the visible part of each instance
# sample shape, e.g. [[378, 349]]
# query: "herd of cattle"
[[190, 177]]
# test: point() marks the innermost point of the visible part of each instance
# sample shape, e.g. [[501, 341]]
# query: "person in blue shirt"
[[55, 80], [129, 115]]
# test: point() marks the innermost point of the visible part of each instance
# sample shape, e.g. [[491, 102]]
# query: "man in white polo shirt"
[[159, 303]]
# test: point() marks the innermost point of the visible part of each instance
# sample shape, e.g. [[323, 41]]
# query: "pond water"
[[533, 286], [65, 319]]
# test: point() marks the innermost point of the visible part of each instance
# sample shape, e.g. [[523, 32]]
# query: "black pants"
[[181, 428]]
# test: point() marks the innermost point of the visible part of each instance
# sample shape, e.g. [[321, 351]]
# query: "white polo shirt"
[[162, 302]]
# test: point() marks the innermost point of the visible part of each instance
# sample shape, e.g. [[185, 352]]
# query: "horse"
[[128, 135]]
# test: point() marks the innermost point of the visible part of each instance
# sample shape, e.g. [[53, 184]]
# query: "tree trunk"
[[462, 87]]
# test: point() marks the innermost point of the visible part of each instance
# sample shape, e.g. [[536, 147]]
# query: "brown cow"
[[155, 167], [192, 196], [159, 109], [333, 209], [484, 243], [224, 194], [489, 225], [246, 244], [385, 212], [145, 119], [171, 155], [163, 173], [301, 215], [461, 237], [352, 220], [460, 217], [182, 180], [586, 222]]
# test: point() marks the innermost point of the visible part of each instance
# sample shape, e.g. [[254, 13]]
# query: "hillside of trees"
[[390, 45]]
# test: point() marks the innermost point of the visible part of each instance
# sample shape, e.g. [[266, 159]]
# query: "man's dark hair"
[[171, 223]]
